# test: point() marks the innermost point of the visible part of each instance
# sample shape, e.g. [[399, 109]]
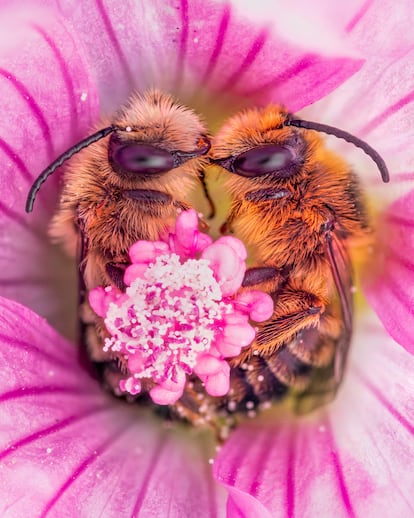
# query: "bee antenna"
[[331, 130], [62, 158]]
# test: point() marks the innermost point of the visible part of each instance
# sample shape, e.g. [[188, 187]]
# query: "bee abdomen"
[[254, 383]]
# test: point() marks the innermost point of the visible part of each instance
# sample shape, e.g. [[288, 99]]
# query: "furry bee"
[[129, 183], [299, 208]]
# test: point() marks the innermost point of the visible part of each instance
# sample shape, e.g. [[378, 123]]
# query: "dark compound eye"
[[140, 159], [263, 160]]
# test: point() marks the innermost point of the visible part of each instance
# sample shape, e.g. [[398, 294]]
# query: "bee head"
[[261, 143], [150, 136]]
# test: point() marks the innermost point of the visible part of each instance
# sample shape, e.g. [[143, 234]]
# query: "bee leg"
[[294, 310], [202, 178], [265, 278]]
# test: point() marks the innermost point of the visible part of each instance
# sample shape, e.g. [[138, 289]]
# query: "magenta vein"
[[155, 457], [32, 349], [182, 49], [358, 16], [66, 77], [247, 61], [29, 100], [284, 76], [82, 467], [386, 404], [290, 476], [391, 110], [46, 389], [50, 430], [20, 220], [115, 42], [222, 30], [400, 220], [338, 471]]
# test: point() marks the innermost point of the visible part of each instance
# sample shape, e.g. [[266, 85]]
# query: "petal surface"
[[67, 448], [353, 459], [285, 55], [198, 45], [377, 103], [390, 288], [44, 117]]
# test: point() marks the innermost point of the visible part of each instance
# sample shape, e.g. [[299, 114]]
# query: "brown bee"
[[129, 183], [298, 207]]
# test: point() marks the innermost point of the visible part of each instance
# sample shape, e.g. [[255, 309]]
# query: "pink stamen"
[[175, 319]]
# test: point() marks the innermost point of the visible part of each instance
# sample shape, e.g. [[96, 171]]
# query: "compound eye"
[[263, 160], [140, 159]]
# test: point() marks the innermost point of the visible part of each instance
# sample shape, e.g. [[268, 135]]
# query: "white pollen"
[[83, 96], [49, 450], [128, 129], [260, 377]]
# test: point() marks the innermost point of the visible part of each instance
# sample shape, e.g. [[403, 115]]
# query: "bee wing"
[[325, 382], [342, 274], [81, 257]]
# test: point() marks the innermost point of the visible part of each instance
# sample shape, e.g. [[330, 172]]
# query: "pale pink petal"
[[377, 103], [227, 266], [254, 53], [69, 449], [354, 459], [390, 287], [48, 102]]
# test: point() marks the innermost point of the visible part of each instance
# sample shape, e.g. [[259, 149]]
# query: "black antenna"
[[331, 130], [59, 161]]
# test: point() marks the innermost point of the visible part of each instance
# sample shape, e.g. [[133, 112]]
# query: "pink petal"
[[228, 268], [218, 384], [187, 239], [390, 289], [354, 459], [46, 113], [99, 301], [225, 48], [146, 251], [235, 244], [377, 103], [290, 55], [169, 391], [257, 304], [68, 449]]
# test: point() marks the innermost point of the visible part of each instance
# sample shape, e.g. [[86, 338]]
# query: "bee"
[[299, 208], [129, 182]]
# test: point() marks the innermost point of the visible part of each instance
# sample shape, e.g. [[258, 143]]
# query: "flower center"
[[170, 316]]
